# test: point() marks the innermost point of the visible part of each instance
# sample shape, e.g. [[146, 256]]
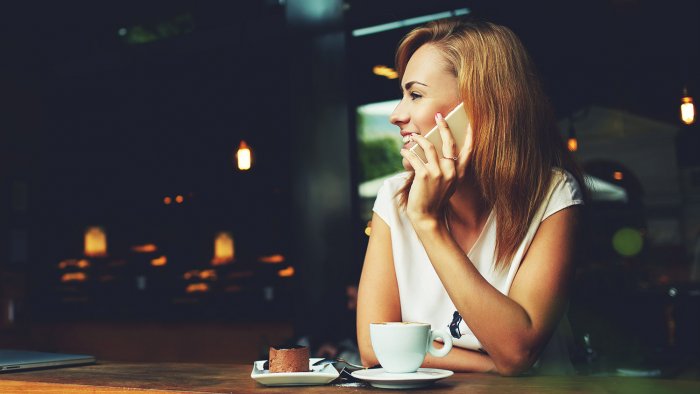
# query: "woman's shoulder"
[[565, 185], [565, 191], [394, 182], [397, 180], [386, 204]]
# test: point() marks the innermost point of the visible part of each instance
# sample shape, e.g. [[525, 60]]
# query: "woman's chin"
[[406, 165]]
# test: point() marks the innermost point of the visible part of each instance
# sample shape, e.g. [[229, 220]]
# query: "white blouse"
[[424, 298]]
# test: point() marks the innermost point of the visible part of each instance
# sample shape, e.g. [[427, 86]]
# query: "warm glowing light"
[[74, 277], [207, 274], [66, 263], [82, 263], [179, 199], [197, 287], [272, 259], [244, 157], [159, 261], [223, 249], [384, 71], [286, 273], [617, 175], [145, 248], [95, 242], [687, 110], [572, 144], [167, 200], [368, 229]]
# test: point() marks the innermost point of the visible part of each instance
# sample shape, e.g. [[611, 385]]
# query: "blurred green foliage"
[[379, 157]]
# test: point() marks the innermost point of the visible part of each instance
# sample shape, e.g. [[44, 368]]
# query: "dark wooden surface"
[[108, 377]]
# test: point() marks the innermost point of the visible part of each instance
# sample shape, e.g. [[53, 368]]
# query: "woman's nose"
[[399, 116]]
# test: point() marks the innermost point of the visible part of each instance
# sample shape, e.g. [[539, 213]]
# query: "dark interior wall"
[[101, 130], [108, 128]]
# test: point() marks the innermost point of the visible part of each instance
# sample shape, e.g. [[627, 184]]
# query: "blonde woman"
[[481, 238]]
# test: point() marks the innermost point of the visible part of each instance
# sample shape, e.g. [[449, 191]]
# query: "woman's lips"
[[407, 143]]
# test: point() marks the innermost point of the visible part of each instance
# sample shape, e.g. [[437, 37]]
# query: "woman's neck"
[[467, 206]]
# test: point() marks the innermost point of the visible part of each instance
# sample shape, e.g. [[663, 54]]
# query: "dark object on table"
[[20, 360]]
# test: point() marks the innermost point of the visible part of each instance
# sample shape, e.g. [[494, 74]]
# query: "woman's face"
[[427, 88]]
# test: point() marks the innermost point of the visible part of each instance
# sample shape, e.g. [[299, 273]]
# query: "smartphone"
[[458, 123]]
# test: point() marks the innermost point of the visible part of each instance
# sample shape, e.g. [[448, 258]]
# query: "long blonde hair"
[[515, 141]]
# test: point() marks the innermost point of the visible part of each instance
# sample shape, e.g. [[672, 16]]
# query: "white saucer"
[[322, 374], [387, 380]]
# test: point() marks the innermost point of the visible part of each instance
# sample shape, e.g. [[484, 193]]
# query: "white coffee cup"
[[400, 347]]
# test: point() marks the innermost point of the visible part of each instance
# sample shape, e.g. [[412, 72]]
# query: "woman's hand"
[[435, 181]]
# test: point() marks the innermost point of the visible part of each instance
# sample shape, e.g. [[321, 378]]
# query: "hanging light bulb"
[[687, 108], [572, 142], [244, 156], [95, 242], [224, 250]]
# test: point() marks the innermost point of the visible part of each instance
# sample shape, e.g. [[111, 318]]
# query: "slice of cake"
[[292, 359]]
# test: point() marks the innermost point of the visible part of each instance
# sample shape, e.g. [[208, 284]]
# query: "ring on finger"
[[450, 158]]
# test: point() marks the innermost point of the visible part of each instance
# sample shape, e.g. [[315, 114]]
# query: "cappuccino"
[[401, 347]]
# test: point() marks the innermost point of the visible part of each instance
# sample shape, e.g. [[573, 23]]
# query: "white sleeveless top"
[[424, 298]]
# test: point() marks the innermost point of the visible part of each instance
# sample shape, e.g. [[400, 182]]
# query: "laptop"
[[21, 360]]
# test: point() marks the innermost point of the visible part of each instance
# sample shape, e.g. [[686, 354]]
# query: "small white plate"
[[386, 380], [318, 375]]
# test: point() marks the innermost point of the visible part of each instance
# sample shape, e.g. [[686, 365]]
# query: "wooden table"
[[108, 377]]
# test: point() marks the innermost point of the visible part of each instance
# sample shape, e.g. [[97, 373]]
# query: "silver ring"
[[450, 158]]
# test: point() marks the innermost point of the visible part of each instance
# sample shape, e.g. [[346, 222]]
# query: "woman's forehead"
[[426, 65]]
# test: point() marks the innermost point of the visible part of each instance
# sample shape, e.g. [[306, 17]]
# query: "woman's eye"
[[415, 96]]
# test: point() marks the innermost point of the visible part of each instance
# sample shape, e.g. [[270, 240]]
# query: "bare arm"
[[513, 329], [461, 360], [378, 292], [378, 300]]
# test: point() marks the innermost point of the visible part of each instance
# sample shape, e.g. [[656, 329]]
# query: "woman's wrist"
[[425, 223]]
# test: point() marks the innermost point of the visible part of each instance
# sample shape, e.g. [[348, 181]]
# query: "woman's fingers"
[[428, 149], [415, 161], [449, 147], [466, 151], [448, 161]]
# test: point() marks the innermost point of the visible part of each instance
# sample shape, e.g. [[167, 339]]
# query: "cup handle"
[[446, 339]]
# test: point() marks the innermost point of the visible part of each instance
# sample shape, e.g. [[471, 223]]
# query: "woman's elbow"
[[516, 363]]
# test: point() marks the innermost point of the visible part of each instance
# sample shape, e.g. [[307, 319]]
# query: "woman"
[[480, 238]]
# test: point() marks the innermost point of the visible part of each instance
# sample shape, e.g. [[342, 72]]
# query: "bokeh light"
[[628, 241]]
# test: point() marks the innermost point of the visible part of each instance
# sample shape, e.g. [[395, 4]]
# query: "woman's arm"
[[513, 329], [378, 301], [460, 360], [378, 292]]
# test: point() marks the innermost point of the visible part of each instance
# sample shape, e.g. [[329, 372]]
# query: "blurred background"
[[193, 181]]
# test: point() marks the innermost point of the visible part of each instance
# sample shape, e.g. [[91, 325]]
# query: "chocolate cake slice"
[[292, 359]]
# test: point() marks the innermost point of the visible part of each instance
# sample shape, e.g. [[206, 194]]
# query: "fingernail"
[[438, 116]]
